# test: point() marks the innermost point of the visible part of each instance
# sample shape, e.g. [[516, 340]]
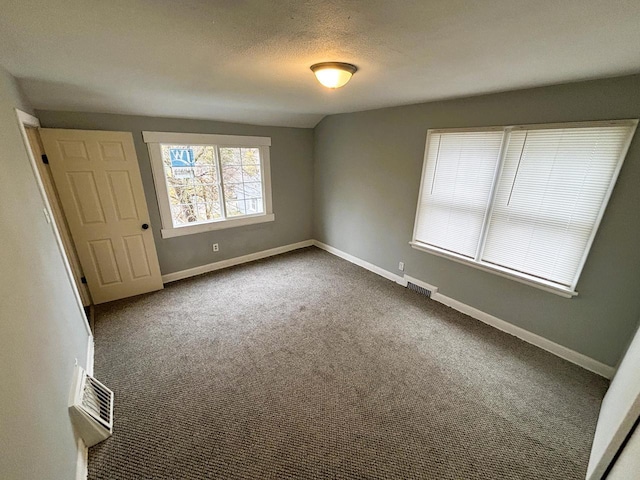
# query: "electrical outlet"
[[216, 247], [401, 266]]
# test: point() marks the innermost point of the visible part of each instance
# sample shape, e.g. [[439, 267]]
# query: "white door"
[[100, 188], [618, 413]]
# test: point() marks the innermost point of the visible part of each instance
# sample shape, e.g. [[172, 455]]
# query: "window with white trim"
[[523, 201], [209, 182]]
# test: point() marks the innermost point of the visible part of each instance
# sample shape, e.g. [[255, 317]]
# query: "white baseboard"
[[563, 352], [191, 272], [362, 263], [572, 356], [82, 462]]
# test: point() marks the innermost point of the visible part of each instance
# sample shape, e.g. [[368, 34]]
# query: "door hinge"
[[83, 280], [45, 159]]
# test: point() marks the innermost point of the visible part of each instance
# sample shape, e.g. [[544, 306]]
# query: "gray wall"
[[291, 181], [366, 182], [41, 325]]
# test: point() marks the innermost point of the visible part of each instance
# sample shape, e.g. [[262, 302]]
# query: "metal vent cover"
[[419, 289], [97, 400], [91, 407]]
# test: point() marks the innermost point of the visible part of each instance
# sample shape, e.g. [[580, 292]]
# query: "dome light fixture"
[[333, 74]]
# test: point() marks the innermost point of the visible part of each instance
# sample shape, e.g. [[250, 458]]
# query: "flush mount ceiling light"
[[333, 74]]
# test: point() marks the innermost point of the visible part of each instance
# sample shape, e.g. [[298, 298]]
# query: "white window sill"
[[532, 281], [219, 225]]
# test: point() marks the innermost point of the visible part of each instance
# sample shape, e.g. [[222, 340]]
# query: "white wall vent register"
[[91, 408]]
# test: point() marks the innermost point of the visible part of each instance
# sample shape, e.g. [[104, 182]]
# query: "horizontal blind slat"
[[549, 197], [456, 187]]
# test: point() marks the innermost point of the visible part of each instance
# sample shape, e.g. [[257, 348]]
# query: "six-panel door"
[[100, 188]]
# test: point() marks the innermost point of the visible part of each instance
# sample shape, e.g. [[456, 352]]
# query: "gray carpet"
[[306, 366]]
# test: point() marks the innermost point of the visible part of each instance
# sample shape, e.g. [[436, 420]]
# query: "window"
[[209, 182], [524, 202]]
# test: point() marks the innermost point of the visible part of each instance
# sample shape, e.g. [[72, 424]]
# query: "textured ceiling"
[[248, 60]]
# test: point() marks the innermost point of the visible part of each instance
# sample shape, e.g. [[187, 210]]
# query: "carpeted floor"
[[306, 366]]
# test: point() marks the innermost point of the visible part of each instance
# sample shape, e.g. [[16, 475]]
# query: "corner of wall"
[[42, 328]]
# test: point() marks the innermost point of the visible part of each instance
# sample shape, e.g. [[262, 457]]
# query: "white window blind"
[[456, 187], [521, 201], [549, 196]]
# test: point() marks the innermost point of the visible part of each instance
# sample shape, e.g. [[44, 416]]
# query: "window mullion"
[[492, 195], [223, 203]]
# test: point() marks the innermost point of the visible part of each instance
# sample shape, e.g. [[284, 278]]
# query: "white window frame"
[[154, 140], [567, 292]]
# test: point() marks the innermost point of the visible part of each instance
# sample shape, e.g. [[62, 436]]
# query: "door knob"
[[145, 226]]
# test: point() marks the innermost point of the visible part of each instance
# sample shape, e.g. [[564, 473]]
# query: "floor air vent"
[[91, 408], [419, 289]]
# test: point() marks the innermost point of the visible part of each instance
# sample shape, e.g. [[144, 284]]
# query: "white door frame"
[[27, 120]]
